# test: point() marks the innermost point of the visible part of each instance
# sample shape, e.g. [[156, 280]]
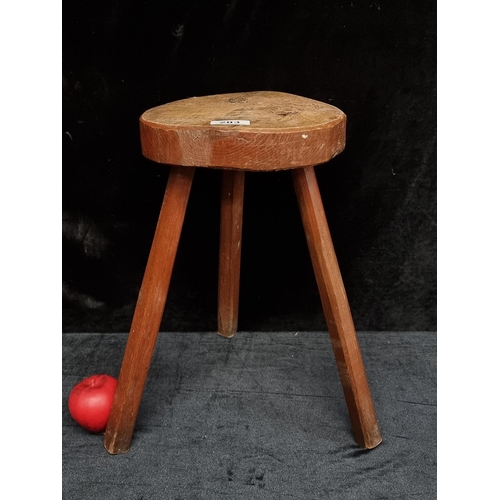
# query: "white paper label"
[[230, 122]]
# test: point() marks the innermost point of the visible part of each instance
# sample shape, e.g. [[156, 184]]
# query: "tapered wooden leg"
[[148, 312], [233, 183], [336, 310]]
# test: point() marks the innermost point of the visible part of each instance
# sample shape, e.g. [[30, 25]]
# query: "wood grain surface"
[[231, 221], [148, 312], [286, 131], [336, 309]]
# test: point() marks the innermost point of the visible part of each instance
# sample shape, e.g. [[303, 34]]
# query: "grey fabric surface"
[[260, 416]]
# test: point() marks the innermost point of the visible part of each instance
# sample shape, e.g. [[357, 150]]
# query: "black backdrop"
[[375, 60]]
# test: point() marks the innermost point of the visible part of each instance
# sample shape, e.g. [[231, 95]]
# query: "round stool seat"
[[243, 131]]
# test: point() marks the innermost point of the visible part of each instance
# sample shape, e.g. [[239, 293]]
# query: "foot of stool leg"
[[233, 183], [148, 312], [336, 310]]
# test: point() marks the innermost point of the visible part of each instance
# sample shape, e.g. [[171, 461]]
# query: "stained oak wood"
[[148, 312], [336, 309], [286, 131], [233, 183]]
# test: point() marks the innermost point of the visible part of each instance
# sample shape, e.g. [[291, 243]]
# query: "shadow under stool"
[[248, 131]]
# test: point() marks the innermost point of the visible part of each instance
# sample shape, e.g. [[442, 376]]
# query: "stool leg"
[[336, 310], [148, 312], [233, 183]]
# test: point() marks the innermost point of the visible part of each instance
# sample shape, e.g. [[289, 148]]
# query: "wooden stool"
[[250, 131]]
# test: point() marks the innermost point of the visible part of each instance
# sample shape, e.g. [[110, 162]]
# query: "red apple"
[[90, 401]]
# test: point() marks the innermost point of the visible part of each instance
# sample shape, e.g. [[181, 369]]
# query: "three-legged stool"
[[250, 131]]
